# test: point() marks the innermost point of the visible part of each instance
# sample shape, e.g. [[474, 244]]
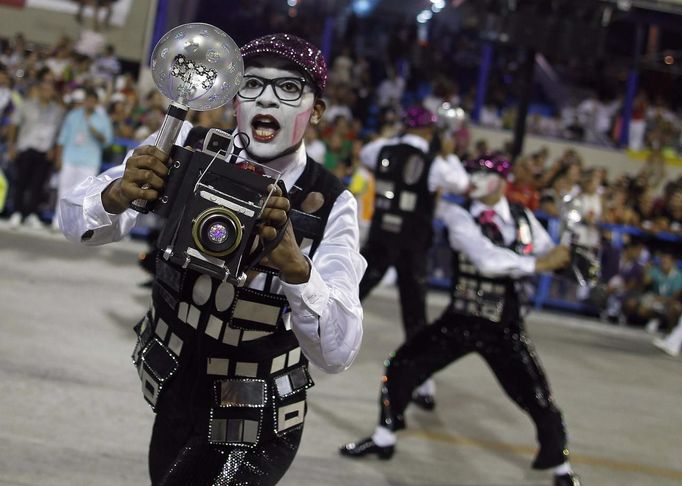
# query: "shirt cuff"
[[308, 298], [94, 212], [528, 265]]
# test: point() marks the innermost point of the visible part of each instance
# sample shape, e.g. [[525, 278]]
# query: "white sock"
[[383, 437], [674, 339], [564, 468], [426, 388], [652, 325]]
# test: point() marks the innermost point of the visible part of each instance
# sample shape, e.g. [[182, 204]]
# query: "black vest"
[[493, 299], [404, 206], [240, 339]]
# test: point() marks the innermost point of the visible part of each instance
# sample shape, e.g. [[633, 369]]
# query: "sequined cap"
[[492, 163], [419, 117], [300, 52]]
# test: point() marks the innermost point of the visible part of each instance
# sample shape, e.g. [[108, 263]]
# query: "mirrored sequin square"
[[241, 393]]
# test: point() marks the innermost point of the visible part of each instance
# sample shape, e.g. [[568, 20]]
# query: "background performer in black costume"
[[408, 181], [495, 244]]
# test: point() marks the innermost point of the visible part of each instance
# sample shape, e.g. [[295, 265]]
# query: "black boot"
[[550, 457], [552, 439], [365, 447], [425, 402], [569, 479]]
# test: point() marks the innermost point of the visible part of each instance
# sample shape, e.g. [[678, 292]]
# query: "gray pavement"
[[71, 412]]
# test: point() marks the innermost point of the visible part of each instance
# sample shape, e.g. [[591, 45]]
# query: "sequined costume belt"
[[238, 393]]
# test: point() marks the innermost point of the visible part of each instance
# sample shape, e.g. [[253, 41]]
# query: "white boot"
[[33, 221], [672, 344], [15, 220], [652, 326]]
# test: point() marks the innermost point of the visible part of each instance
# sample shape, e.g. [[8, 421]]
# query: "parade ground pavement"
[[72, 413]]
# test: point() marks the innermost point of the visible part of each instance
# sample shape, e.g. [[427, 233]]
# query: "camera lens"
[[217, 231]]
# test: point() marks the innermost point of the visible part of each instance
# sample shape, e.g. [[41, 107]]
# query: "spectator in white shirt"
[[390, 90], [32, 134]]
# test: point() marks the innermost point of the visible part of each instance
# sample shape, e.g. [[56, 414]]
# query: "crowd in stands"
[[654, 123], [363, 102]]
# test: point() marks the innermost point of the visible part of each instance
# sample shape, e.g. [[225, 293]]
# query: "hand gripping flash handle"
[[197, 66], [168, 133]]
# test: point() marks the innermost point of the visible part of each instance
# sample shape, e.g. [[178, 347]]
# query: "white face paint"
[[275, 128], [484, 183]]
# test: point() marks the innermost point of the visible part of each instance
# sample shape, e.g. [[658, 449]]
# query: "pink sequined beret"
[[492, 163], [302, 53], [419, 117]]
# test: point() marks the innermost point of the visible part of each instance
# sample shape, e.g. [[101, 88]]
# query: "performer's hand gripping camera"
[[211, 204]]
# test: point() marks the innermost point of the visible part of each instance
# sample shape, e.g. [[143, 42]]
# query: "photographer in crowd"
[[232, 410]]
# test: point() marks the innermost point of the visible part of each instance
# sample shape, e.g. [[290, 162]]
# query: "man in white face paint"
[[273, 108], [230, 403], [494, 243]]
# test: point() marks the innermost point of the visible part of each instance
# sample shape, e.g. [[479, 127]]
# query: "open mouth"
[[264, 127]]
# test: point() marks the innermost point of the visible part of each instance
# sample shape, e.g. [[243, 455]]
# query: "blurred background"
[[585, 96]]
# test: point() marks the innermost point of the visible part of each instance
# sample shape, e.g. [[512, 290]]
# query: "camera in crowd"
[[585, 267], [212, 202]]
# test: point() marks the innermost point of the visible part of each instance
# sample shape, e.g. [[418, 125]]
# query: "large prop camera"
[[212, 202], [585, 267]]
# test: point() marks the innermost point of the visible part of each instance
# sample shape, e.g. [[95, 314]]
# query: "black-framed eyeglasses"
[[286, 89]]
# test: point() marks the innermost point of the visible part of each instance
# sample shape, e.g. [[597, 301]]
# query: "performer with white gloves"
[[495, 244], [229, 365]]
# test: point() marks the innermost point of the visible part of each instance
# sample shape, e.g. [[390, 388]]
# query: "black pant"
[[410, 266], [180, 454], [508, 352], [177, 458], [31, 174]]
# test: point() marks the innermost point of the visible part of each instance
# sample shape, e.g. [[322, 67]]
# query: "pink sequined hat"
[[419, 117], [492, 163], [302, 53]]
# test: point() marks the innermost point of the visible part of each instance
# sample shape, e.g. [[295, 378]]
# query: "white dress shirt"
[[446, 173], [491, 260], [326, 314]]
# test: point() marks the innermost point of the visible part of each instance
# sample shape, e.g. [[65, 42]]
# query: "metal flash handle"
[[168, 133]]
